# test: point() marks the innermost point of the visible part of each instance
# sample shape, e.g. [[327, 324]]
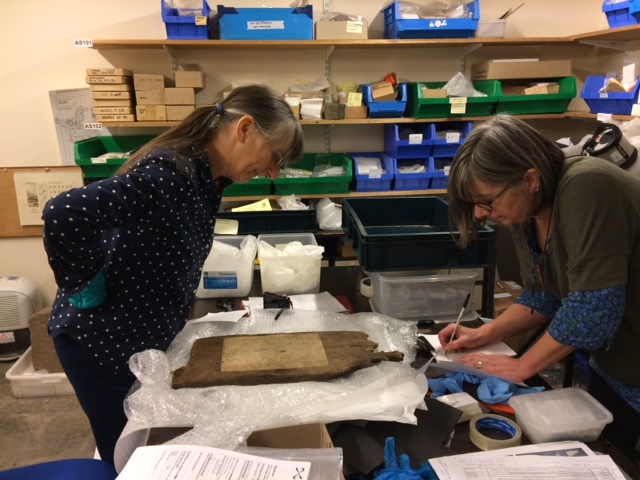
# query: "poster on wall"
[[74, 119], [33, 191]]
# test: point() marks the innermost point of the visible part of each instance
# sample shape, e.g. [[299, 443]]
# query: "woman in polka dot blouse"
[[127, 252]]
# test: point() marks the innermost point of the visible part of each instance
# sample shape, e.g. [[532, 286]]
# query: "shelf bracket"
[[327, 138], [621, 46], [326, 6], [464, 51]]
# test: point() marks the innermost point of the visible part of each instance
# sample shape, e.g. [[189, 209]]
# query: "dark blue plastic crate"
[[273, 221], [186, 27], [439, 168], [412, 181], [265, 23], [390, 109], [408, 141], [375, 183], [620, 14], [396, 27], [410, 233], [447, 137], [620, 103]]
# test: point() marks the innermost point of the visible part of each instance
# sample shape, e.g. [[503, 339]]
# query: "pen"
[[464, 306]]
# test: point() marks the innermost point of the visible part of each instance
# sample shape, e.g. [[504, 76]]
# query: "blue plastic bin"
[[391, 109], [413, 181], [377, 183], [408, 141], [396, 27], [634, 9], [620, 103], [620, 14], [439, 169], [265, 23], [186, 27], [447, 137]]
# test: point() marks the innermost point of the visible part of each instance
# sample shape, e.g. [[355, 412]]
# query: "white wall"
[[36, 45]]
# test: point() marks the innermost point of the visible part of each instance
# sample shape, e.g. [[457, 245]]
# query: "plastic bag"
[[461, 86], [291, 202], [329, 215]]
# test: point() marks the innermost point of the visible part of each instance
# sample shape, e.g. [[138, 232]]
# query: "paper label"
[[7, 337], [438, 23], [452, 137], [86, 43], [98, 160], [92, 126], [354, 99], [415, 138], [220, 280], [604, 95], [604, 117], [266, 25], [201, 21], [354, 27], [375, 173], [458, 105], [226, 226]]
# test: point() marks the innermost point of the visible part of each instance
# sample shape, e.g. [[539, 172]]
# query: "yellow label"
[[260, 206], [201, 21], [354, 99], [354, 27], [458, 105], [226, 226]]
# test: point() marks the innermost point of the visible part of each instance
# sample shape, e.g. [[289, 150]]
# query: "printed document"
[[186, 462]]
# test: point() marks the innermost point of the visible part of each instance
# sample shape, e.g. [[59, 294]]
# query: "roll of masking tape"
[[494, 422], [366, 288]]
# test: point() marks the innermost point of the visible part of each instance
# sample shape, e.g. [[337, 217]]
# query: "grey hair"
[[268, 109], [499, 152]]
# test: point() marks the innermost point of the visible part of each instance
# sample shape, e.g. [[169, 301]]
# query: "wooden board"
[[277, 358], [9, 218]]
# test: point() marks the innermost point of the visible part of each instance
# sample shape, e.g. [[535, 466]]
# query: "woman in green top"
[[576, 229]]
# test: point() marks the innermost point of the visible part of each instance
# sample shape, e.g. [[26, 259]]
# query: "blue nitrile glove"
[[495, 390], [92, 295], [450, 383], [399, 470]]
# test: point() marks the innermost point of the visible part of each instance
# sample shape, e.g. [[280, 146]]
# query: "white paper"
[[178, 462], [321, 302], [551, 461], [318, 84], [499, 348]]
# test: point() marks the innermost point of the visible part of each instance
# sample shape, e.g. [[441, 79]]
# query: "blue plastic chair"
[[75, 469]]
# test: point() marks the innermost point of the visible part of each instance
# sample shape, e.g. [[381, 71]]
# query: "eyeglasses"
[[488, 204]]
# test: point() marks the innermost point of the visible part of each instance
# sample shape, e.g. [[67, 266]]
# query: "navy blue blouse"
[[150, 231]]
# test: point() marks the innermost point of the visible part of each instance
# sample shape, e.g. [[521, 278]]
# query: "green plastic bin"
[[313, 185], [255, 186], [420, 107], [544, 103], [85, 152]]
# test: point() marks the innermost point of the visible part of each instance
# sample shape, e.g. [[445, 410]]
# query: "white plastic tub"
[[227, 276], [26, 382]]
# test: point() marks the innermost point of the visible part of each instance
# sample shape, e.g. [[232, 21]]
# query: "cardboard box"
[[146, 81], [351, 113], [187, 79], [150, 97], [342, 30], [43, 353], [432, 92], [543, 89], [344, 250], [179, 112], [107, 79], [108, 110], [109, 71], [122, 87], [112, 95], [521, 69], [179, 96], [295, 109], [116, 117], [382, 91], [502, 302], [151, 113], [113, 103]]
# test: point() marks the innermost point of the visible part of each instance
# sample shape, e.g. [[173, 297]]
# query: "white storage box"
[[228, 275], [491, 29], [422, 294], [562, 414], [289, 275], [26, 382]]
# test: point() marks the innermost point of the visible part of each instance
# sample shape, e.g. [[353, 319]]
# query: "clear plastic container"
[[228, 275], [562, 414], [422, 293], [293, 274]]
